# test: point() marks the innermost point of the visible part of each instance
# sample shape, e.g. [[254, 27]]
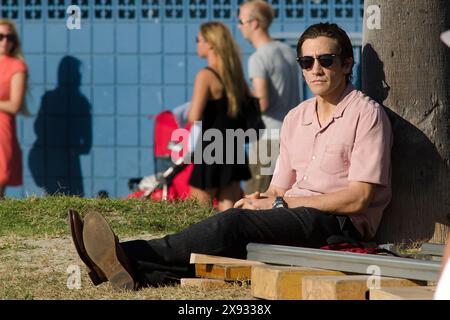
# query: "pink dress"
[[10, 153]]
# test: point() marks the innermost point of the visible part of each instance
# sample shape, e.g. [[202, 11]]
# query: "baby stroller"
[[171, 180]]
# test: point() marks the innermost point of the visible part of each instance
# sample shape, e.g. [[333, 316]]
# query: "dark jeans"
[[227, 234]]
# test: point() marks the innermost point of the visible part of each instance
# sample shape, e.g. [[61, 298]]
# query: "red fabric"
[[165, 124], [180, 183], [179, 189], [136, 195], [349, 247]]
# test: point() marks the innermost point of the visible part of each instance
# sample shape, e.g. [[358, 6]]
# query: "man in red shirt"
[[332, 178]]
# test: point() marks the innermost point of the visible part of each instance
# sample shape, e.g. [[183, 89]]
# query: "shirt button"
[[305, 178], [314, 157]]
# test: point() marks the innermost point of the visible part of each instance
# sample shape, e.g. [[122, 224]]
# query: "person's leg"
[[227, 234], [261, 173], [203, 196], [259, 182], [265, 170], [264, 182], [250, 185], [229, 195], [2, 192]]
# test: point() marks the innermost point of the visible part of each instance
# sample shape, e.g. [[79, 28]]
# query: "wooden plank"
[[411, 293], [209, 259], [352, 287], [432, 249], [203, 283], [282, 282], [228, 272]]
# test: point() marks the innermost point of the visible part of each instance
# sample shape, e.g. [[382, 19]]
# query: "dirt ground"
[[49, 268]]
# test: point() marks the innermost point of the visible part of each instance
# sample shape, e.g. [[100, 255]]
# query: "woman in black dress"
[[219, 92]]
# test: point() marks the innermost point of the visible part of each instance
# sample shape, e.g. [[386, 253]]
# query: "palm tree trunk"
[[406, 68]]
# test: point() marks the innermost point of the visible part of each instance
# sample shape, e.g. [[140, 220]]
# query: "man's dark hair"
[[333, 31]]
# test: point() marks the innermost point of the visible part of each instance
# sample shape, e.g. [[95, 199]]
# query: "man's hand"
[[247, 201], [255, 201]]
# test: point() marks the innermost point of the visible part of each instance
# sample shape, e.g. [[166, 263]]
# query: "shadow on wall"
[[419, 173], [63, 129]]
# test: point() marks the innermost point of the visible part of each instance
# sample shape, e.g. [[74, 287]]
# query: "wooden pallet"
[[274, 282], [222, 268], [227, 272], [210, 259], [203, 283], [350, 287], [412, 293], [282, 282]]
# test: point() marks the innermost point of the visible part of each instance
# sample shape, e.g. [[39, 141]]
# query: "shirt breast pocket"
[[335, 159]]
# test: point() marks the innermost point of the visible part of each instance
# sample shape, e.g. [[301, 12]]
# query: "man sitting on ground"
[[332, 178]]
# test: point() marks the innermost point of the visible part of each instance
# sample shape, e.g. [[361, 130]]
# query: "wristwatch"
[[279, 203]]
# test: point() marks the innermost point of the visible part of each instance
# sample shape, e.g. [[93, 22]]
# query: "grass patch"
[[47, 216], [13, 242], [45, 286], [36, 248]]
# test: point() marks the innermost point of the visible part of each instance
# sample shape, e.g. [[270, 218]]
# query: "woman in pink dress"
[[13, 85]]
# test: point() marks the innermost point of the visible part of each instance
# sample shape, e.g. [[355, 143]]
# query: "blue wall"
[[92, 90]]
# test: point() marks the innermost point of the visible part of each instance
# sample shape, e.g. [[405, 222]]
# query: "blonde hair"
[[262, 11], [229, 63], [17, 53]]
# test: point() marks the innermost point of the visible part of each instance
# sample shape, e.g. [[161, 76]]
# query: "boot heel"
[[95, 279]]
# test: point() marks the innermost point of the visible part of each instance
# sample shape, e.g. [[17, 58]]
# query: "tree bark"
[[406, 68]]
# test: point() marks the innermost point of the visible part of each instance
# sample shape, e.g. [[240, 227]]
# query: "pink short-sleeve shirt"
[[355, 145]]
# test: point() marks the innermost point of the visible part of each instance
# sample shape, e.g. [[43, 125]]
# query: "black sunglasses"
[[9, 37], [325, 60]]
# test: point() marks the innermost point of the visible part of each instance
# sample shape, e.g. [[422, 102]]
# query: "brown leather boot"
[[76, 229], [103, 248]]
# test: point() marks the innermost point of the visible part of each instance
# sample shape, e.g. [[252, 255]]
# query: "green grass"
[[47, 217], [36, 248]]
